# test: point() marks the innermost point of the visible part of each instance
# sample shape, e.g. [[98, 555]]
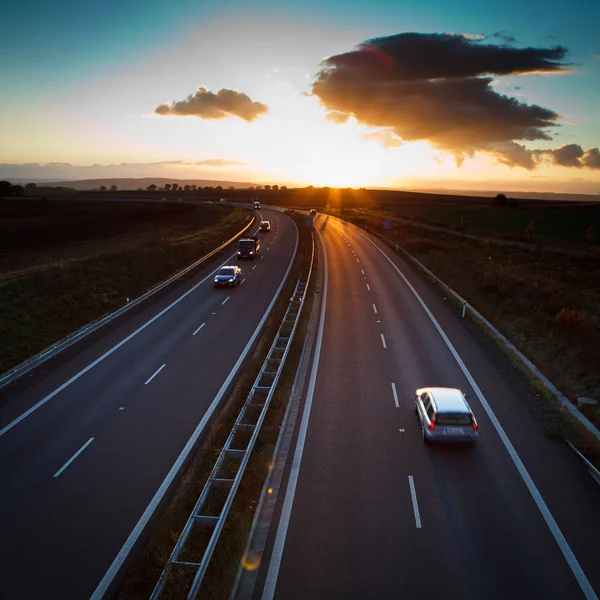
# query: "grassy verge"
[[62, 288], [146, 570], [557, 226], [547, 305]]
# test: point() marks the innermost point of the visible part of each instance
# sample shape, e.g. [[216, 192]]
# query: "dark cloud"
[[437, 87], [384, 138], [507, 38], [337, 117], [571, 155], [208, 105], [220, 162]]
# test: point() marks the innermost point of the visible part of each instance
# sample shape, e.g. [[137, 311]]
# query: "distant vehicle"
[[223, 200], [228, 276], [248, 247], [210, 202], [313, 211], [265, 226], [257, 205], [445, 415], [165, 199]]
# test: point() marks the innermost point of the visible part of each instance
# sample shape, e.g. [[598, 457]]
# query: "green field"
[[553, 225]]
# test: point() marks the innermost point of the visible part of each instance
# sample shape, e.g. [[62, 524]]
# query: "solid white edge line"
[[130, 542], [155, 374], [75, 377], [224, 301], [73, 457], [383, 340], [395, 395], [286, 511], [374, 309], [582, 580], [413, 495], [199, 328]]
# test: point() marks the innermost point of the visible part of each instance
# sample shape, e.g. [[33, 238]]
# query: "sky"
[[399, 94]]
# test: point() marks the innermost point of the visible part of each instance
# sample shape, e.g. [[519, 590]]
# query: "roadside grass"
[[546, 304], [559, 226], [67, 287], [152, 557]]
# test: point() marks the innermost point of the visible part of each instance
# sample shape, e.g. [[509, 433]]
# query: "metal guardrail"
[[58, 347], [212, 508]]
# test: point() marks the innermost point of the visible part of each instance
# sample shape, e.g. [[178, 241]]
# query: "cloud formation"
[[386, 139], [571, 155], [170, 168], [337, 117], [220, 162], [438, 88], [208, 105]]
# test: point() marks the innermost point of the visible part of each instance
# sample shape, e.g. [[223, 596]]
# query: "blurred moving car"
[[228, 276], [313, 211], [265, 226], [445, 415]]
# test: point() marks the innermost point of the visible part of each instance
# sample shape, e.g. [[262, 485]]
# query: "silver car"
[[445, 415]]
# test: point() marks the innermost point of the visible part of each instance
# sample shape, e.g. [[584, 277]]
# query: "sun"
[[336, 167]]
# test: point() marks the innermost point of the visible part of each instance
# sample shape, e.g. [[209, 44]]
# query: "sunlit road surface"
[[77, 474], [376, 513]]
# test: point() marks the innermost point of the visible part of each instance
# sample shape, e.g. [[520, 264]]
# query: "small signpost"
[[309, 221], [387, 224]]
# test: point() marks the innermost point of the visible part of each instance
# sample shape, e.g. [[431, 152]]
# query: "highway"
[[367, 511], [81, 473]]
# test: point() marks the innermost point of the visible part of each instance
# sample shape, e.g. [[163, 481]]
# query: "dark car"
[[313, 211], [228, 276]]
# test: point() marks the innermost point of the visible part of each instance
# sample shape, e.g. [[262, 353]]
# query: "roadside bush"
[[570, 320], [423, 245]]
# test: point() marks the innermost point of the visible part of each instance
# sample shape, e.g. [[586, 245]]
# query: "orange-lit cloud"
[[437, 88], [386, 139], [208, 105], [220, 162]]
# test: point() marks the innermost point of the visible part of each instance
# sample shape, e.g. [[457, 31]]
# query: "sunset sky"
[[399, 94]]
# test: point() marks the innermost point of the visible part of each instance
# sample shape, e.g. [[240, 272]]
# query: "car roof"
[[447, 399], [229, 267]]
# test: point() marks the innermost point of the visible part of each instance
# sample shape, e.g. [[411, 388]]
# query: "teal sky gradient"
[[90, 73]]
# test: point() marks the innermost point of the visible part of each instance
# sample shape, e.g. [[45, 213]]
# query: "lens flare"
[[251, 561], [270, 491]]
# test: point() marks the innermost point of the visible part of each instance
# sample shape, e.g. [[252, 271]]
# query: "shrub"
[[570, 320]]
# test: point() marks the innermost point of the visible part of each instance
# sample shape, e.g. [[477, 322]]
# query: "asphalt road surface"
[[368, 511], [77, 473]]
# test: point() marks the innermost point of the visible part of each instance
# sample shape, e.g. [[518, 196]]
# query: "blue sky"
[[82, 79]]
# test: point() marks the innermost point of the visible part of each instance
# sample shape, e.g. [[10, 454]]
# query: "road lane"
[[352, 529], [60, 535]]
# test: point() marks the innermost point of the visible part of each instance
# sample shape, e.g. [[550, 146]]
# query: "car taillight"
[[474, 422], [432, 424]]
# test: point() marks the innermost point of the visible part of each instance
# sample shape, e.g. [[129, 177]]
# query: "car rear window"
[[453, 419], [227, 271]]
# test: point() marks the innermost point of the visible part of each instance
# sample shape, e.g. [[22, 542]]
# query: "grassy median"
[[65, 264]]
